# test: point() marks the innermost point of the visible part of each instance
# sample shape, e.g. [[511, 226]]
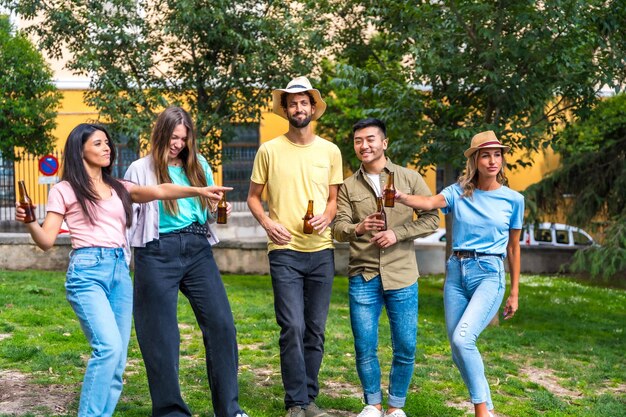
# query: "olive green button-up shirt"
[[356, 200]]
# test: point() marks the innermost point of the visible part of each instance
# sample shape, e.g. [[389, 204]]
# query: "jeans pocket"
[[488, 264], [87, 260], [82, 265]]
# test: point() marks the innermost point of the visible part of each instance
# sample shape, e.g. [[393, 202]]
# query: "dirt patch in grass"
[[341, 389], [250, 346], [465, 406], [618, 389], [133, 367], [20, 396], [547, 379], [4, 336], [264, 377]]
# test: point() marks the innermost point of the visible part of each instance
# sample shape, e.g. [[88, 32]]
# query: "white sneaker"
[[397, 413], [371, 411]]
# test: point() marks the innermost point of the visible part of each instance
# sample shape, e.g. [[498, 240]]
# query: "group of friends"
[[164, 209]]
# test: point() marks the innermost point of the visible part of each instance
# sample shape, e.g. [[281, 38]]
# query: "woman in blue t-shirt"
[[487, 222]]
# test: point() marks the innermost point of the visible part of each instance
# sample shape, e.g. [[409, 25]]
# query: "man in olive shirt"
[[382, 267]]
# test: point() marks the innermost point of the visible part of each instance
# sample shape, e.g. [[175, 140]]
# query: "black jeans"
[[184, 261], [302, 283]]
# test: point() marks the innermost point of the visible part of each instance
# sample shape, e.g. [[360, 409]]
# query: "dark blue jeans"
[[184, 261], [302, 283]]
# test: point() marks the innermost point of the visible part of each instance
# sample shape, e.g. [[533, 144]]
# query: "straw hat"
[[298, 85], [482, 140]]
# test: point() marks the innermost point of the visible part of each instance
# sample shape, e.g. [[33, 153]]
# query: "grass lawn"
[[562, 355]]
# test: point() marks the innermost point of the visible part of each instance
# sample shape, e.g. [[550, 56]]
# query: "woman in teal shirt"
[[172, 244]]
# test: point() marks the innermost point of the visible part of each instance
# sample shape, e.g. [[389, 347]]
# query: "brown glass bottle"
[[222, 217], [390, 192], [26, 203], [381, 211], [306, 227]]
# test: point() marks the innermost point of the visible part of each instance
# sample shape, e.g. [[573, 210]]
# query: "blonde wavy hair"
[[469, 179]]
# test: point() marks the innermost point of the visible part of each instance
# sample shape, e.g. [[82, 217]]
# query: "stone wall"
[[249, 256]]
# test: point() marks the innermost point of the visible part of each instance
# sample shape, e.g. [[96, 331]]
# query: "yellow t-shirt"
[[293, 175]]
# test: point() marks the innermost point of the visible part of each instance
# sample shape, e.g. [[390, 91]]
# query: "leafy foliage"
[[215, 58], [438, 72], [28, 99], [590, 184]]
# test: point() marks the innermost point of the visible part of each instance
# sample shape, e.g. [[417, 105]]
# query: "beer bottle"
[[26, 203], [222, 217], [306, 227], [381, 211], [390, 192]]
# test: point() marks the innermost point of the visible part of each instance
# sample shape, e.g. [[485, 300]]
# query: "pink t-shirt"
[[109, 230]]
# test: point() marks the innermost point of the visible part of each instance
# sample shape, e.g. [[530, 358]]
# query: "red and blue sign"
[[48, 165]]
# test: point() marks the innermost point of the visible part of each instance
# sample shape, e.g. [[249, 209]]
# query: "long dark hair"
[[167, 121], [75, 173]]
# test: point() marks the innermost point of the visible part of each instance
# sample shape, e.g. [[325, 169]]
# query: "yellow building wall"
[[72, 112], [543, 163]]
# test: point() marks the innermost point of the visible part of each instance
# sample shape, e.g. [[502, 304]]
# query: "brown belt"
[[461, 254]]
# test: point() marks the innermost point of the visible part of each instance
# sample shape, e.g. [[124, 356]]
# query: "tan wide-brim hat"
[[298, 85], [484, 140]]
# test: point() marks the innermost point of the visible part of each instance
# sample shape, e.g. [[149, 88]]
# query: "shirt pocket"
[[320, 173], [362, 206]]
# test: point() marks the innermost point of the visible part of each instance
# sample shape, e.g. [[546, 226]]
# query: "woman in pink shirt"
[[97, 210]]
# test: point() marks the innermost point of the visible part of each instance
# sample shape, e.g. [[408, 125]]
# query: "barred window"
[[237, 159]]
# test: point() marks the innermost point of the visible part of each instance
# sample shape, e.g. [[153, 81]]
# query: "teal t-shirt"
[[189, 209], [482, 223]]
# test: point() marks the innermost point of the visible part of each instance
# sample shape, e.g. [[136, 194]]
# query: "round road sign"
[[48, 165]]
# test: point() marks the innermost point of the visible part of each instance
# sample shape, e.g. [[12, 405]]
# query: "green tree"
[[440, 71], [589, 186], [28, 98], [218, 59]]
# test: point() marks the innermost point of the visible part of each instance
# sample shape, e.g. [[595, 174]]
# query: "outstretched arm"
[[421, 202], [168, 191]]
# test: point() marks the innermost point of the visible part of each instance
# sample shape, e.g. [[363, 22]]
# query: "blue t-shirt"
[[482, 222], [189, 209]]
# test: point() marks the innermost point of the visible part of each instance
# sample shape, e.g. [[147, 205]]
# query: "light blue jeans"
[[366, 302], [472, 295], [100, 291]]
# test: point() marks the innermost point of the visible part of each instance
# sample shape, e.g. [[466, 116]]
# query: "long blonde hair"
[[162, 132], [469, 179]]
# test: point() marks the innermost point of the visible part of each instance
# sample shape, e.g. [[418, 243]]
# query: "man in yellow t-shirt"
[[295, 168]]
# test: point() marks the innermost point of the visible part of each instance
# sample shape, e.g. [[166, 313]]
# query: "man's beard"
[[299, 123]]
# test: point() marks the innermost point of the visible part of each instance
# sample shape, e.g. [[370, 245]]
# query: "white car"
[[438, 236], [554, 234]]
